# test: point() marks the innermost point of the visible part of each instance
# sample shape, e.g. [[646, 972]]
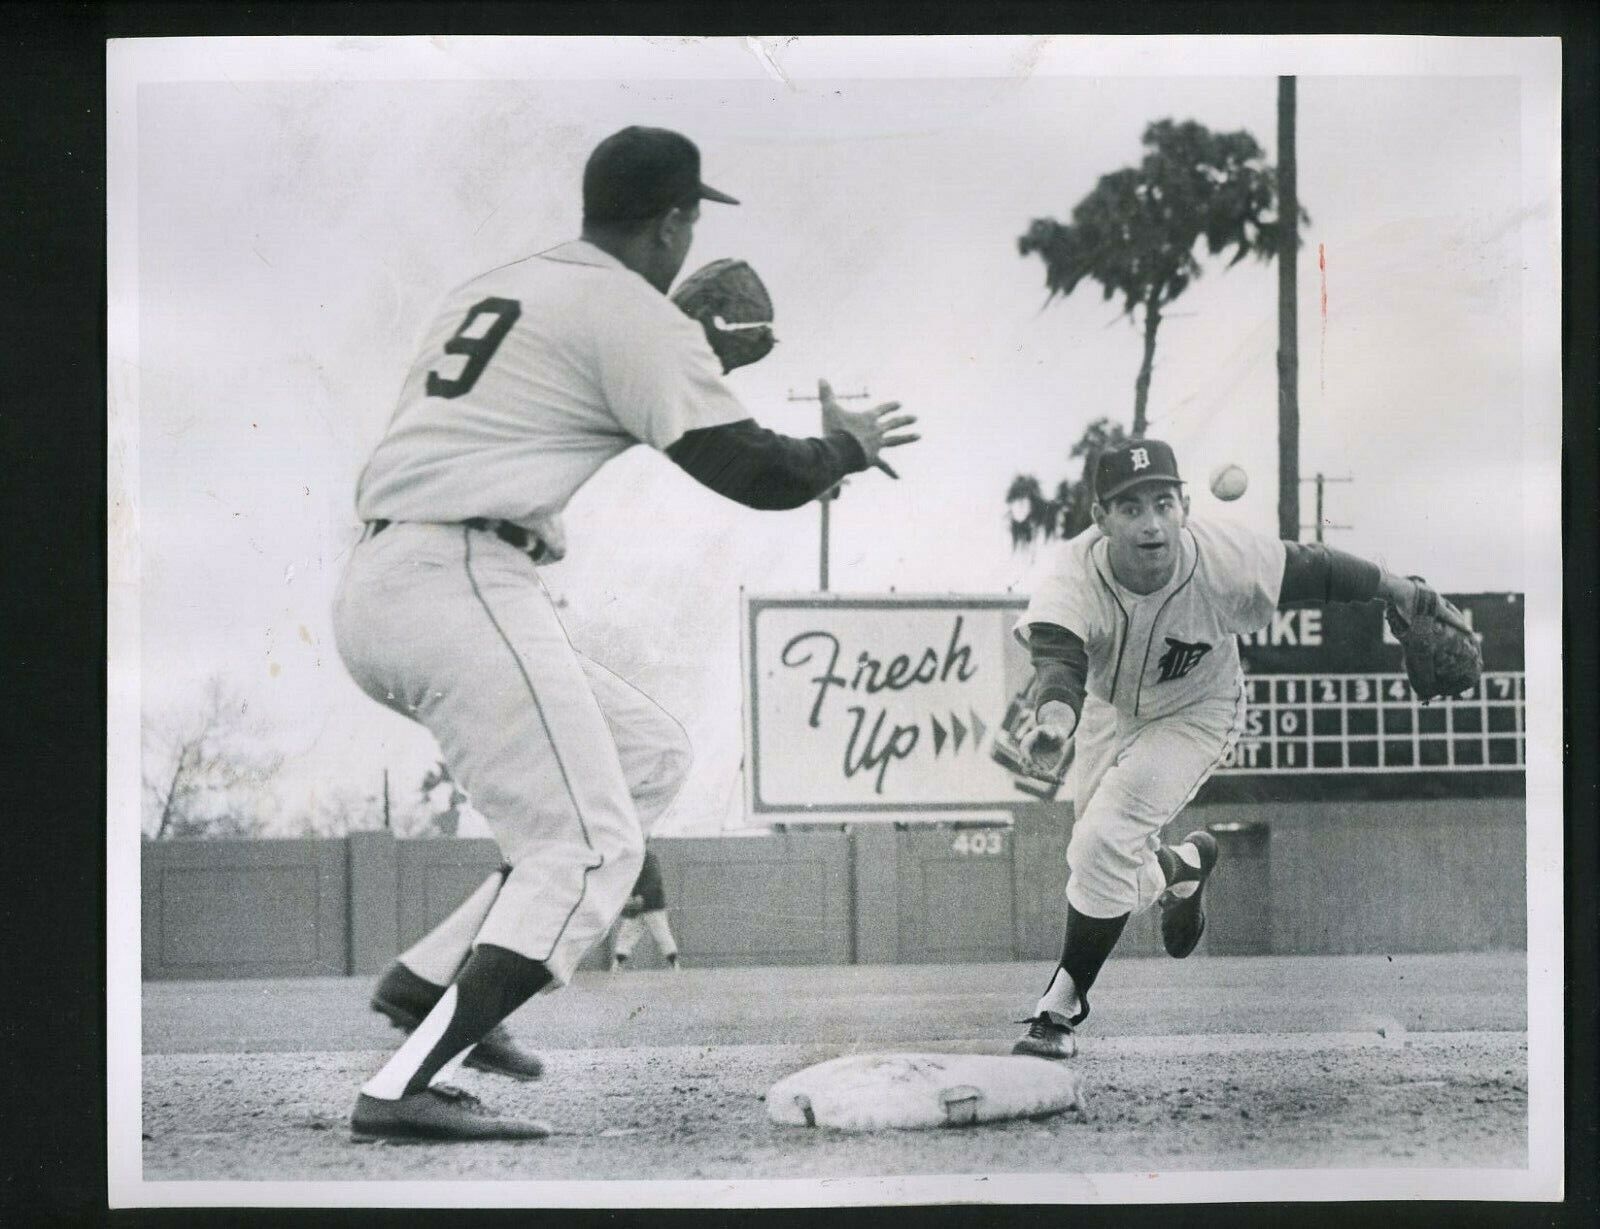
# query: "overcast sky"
[[293, 237]]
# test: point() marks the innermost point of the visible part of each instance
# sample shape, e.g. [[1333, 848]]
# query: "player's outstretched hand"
[[874, 429], [1046, 744]]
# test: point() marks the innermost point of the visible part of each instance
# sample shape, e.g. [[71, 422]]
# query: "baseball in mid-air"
[[1228, 481]]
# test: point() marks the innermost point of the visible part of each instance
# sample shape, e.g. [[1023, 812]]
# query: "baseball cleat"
[[406, 999], [498, 1054], [1183, 916], [442, 1114], [1046, 1039]]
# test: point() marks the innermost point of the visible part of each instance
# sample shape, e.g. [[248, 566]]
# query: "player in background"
[[1132, 632], [646, 911], [532, 376]]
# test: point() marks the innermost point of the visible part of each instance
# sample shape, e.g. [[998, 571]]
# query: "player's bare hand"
[[875, 429], [1046, 744]]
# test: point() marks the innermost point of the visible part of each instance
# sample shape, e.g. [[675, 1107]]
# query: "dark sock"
[[494, 983], [1089, 941]]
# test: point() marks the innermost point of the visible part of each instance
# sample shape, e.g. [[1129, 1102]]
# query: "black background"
[[52, 428]]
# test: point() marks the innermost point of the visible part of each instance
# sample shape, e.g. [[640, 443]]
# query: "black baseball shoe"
[[441, 1113], [1183, 916], [499, 1054], [406, 999], [1047, 1037]]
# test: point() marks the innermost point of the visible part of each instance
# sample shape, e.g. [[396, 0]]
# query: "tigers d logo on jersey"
[[1180, 658]]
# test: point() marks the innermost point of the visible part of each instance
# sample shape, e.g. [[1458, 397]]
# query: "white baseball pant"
[[569, 764], [1129, 780]]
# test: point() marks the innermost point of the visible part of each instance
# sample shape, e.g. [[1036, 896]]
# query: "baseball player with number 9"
[[1132, 633], [532, 377]]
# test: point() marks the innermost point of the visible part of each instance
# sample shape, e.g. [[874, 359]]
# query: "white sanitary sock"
[[1061, 999], [1190, 856]]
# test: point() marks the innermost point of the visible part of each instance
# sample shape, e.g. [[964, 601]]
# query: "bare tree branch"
[[217, 766]]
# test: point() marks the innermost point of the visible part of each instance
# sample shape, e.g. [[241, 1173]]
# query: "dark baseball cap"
[[1129, 464], [641, 172]]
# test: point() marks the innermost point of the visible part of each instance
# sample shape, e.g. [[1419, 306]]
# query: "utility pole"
[[386, 800], [1322, 522], [828, 496], [1288, 322]]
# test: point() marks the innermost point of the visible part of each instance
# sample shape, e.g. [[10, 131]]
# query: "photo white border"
[[1536, 62]]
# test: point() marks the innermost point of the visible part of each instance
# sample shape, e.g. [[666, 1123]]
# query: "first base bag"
[[874, 1092]]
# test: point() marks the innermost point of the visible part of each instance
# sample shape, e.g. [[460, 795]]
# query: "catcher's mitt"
[[1441, 655], [732, 305]]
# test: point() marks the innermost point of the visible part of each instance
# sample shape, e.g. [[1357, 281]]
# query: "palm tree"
[[1066, 513], [1032, 515], [1136, 232]]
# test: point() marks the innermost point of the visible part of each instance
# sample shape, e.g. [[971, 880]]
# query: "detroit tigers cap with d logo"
[[1129, 464], [641, 172]]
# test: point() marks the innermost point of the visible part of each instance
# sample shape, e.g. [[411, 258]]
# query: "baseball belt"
[[529, 544]]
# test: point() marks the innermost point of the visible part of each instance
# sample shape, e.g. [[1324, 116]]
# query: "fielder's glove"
[[733, 307], [1441, 655], [1047, 743]]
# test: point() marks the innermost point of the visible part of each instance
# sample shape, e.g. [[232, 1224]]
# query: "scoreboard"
[[1373, 723], [1328, 700]]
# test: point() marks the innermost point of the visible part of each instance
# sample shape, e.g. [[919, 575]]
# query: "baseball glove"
[[733, 307], [1441, 655]]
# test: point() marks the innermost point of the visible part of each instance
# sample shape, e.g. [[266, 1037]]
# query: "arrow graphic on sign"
[[978, 729], [960, 733], [939, 735]]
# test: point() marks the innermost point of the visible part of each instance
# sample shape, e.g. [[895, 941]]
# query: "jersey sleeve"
[[1060, 666], [1065, 593], [1244, 569], [657, 372], [1313, 572], [762, 469]]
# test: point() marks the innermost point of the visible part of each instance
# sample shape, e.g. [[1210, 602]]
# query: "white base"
[[874, 1092]]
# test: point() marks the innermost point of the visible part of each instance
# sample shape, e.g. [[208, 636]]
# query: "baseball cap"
[[1128, 464], [640, 172]]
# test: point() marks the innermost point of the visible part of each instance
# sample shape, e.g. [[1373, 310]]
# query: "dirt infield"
[[1211, 1064]]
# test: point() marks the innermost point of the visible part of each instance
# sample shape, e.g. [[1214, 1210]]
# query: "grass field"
[[1208, 1064]]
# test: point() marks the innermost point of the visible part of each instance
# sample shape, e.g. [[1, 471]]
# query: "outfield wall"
[[1311, 878]]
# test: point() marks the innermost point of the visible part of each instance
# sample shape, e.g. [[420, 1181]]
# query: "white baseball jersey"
[[1153, 654], [531, 378]]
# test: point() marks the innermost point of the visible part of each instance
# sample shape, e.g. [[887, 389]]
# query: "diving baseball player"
[[532, 377], [1132, 636]]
